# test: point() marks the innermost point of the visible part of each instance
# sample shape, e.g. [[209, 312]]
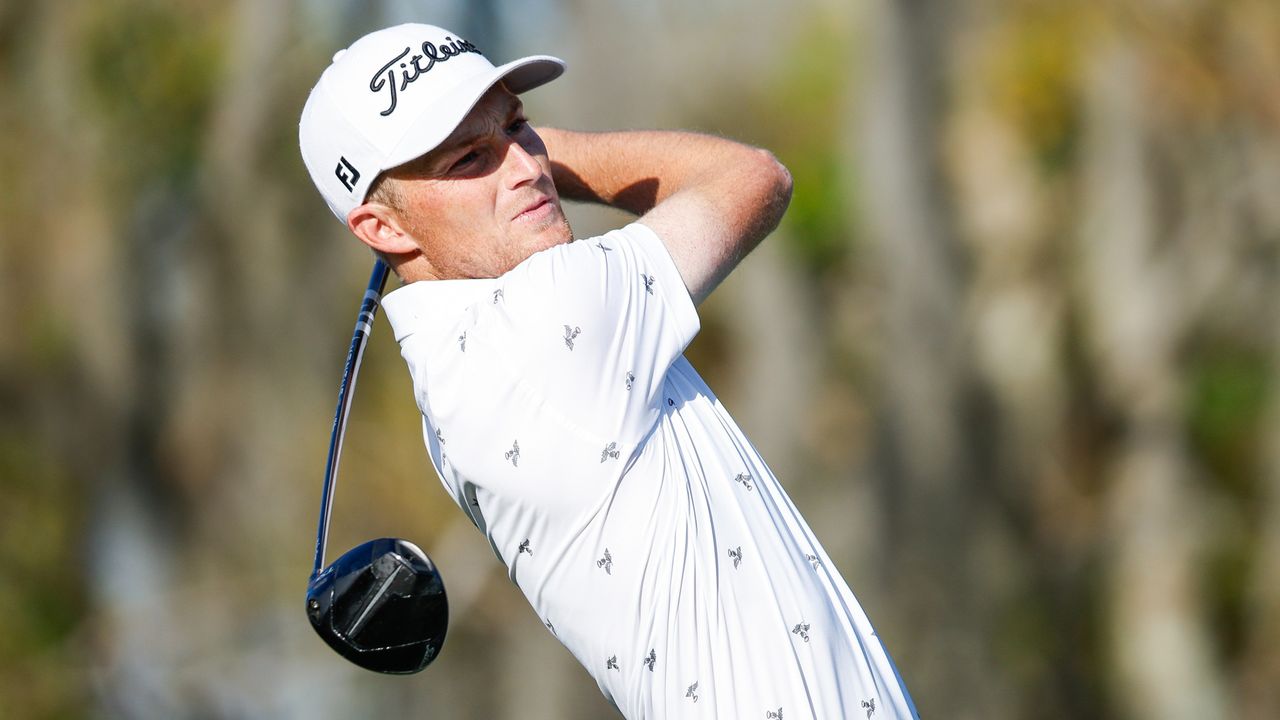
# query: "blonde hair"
[[384, 189]]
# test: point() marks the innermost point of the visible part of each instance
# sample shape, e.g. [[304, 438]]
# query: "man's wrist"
[[592, 168]]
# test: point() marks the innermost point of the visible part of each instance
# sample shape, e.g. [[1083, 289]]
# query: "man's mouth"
[[535, 211]]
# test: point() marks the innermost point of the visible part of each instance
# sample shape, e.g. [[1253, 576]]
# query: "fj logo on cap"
[[412, 68], [347, 173]]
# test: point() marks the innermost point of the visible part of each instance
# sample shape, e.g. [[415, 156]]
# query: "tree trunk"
[[932, 446], [1158, 630]]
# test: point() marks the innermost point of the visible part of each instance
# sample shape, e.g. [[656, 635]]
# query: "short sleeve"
[[592, 327]]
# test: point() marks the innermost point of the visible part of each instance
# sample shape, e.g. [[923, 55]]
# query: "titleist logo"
[[411, 67]]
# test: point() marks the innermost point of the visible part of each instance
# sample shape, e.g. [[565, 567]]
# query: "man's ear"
[[379, 227]]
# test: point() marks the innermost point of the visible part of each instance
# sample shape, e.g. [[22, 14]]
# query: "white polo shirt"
[[641, 524]]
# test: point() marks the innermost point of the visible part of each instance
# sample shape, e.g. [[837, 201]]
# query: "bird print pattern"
[[801, 631], [571, 334]]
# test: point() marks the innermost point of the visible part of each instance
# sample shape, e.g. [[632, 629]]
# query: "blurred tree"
[[936, 433], [1159, 639]]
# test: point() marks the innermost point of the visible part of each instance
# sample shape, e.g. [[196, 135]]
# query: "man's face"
[[483, 201]]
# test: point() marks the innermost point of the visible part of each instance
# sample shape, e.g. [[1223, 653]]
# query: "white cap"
[[395, 95]]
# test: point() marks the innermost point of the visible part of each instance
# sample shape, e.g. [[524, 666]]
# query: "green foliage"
[[804, 118], [1228, 392], [42, 594], [1229, 388], [1034, 67], [152, 69]]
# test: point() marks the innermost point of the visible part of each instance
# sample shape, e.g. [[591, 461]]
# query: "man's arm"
[[711, 200]]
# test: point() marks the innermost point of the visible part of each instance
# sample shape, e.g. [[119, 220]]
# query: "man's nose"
[[521, 167]]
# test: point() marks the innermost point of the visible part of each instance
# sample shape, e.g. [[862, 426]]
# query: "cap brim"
[[433, 128]]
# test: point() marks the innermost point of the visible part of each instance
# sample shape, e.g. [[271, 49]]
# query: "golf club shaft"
[[364, 325]]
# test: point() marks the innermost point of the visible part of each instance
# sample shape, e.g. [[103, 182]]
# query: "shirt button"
[[670, 402]]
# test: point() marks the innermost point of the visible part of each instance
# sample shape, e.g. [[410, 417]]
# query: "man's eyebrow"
[[514, 108]]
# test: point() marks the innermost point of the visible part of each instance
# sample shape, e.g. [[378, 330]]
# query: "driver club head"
[[382, 606]]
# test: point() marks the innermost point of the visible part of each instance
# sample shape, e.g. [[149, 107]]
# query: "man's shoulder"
[[584, 286], [633, 237], [433, 306]]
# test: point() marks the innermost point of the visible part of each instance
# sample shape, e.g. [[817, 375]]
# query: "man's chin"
[[537, 239], [553, 231]]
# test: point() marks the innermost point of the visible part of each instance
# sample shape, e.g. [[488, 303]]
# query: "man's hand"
[[711, 200]]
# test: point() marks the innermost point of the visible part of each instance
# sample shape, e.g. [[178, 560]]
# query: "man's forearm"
[[635, 170], [631, 170], [711, 200]]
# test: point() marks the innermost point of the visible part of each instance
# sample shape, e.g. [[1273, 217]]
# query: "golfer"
[[643, 527]]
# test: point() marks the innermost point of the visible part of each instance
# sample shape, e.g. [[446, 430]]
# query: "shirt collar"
[[428, 305]]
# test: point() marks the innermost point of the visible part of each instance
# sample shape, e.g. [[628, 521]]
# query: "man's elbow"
[[775, 184], [782, 181]]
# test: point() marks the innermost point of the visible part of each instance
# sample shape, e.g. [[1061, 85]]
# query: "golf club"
[[382, 604]]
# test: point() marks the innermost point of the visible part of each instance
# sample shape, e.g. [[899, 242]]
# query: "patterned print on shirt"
[[514, 454], [606, 562], [497, 295], [474, 502], [652, 660], [648, 282], [692, 691], [612, 663], [771, 715], [736, 554], [550, 627], [631, 380], [870, 705], [610, 452], [801, 629], [813, 560], [524, 548], [570, 334], [745, 479], [439, 436], [603, 247], [462, 342]]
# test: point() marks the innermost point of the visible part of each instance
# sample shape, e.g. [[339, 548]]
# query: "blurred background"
[[1013, 351]]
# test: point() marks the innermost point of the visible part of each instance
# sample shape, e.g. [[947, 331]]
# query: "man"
[[558, 410]]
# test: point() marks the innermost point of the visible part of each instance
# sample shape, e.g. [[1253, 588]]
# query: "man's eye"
[[517, 126], [464, 161]]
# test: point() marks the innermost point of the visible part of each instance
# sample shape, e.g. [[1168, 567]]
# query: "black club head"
[[382, 606]]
